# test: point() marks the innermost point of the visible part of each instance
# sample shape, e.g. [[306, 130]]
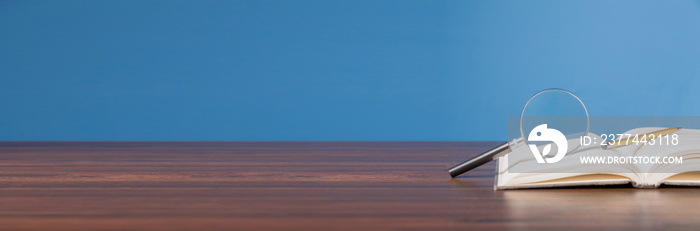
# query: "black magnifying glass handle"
[[480, 159]]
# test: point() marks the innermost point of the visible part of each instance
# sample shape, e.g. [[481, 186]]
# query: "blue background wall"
[[333, 70]]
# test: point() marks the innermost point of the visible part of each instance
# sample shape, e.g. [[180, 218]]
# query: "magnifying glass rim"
[[588, 122]]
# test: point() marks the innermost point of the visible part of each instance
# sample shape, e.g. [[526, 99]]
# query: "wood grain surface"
[[300, 186]]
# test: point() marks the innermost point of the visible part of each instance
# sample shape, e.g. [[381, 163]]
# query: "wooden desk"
[[299, 186]]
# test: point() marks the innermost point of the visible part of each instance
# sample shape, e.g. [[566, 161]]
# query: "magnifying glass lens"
[[558, 109]]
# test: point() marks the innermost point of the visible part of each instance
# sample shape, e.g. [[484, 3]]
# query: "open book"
[[571, 171]]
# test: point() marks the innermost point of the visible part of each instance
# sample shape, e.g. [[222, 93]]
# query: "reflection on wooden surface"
[[613, 207], [298, 185]]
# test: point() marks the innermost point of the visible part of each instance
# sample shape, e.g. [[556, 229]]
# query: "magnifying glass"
[[549, 109]]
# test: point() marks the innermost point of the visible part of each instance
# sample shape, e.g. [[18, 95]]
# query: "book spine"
[[645, 185]]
